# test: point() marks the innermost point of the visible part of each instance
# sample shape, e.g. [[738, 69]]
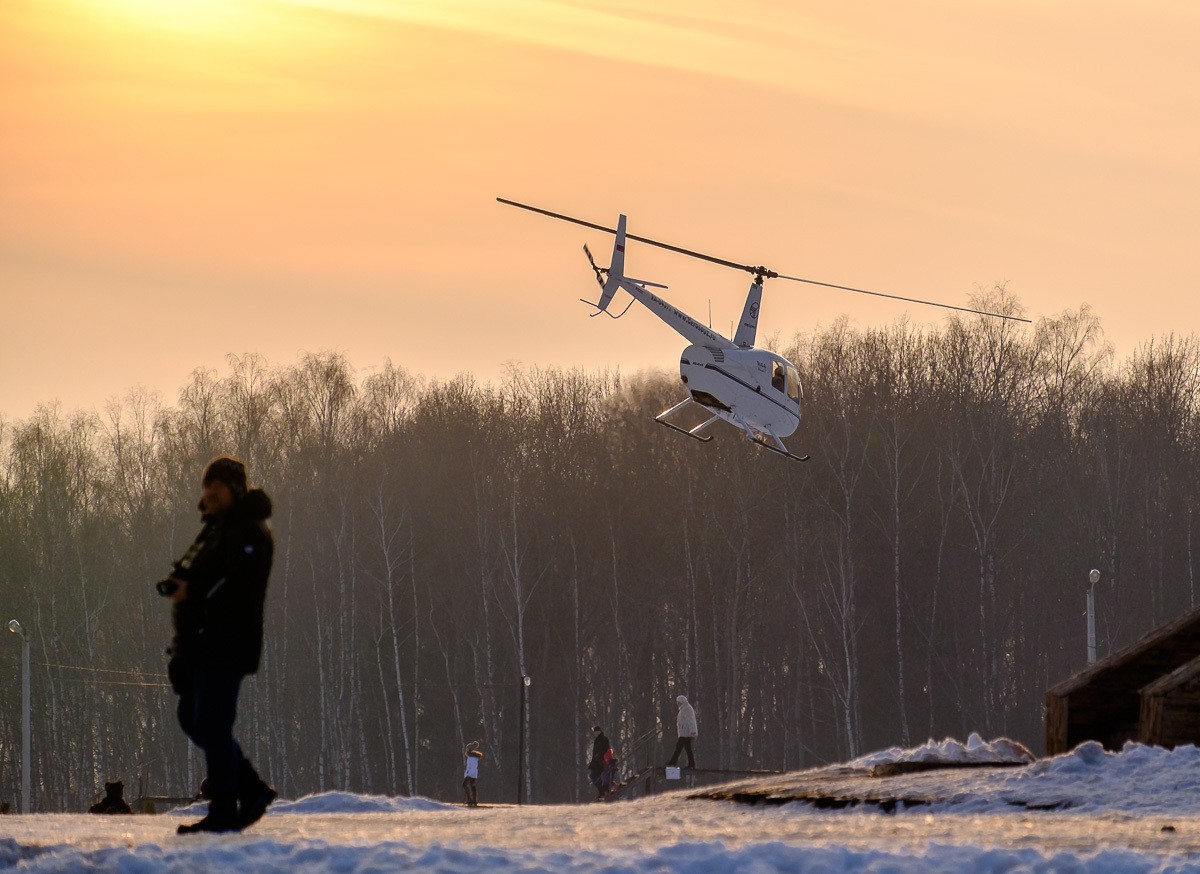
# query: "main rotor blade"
[[928, 303], [760, 271]]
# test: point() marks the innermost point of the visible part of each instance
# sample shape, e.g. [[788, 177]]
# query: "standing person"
[[600, 747], [217, 592], [685, 725], [471, 773]]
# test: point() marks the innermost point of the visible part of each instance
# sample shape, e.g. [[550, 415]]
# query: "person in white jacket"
[[685, 725], [471, 773]]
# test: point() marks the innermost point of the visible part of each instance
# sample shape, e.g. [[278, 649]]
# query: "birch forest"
[[924, 575]]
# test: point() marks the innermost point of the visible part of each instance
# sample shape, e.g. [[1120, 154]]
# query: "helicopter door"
[[793, 384]]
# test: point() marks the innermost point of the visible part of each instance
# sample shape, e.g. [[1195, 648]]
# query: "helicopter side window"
[[777, 376], [793, 384]]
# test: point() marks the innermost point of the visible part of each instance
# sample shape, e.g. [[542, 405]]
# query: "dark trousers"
[[207, 710], [470, 789], [684, 743]]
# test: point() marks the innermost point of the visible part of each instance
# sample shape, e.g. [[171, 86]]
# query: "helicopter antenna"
[[758, 272]]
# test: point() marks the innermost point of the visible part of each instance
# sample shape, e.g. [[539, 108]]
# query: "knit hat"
[[228, 470], [596, 728]]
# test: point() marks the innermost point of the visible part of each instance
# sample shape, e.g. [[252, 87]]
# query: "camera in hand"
[[167, 588]]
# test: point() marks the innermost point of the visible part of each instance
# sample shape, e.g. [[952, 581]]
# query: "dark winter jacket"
[[219, 625], [600, 746]]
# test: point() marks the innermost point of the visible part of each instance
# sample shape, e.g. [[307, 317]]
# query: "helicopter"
[[755, 390]]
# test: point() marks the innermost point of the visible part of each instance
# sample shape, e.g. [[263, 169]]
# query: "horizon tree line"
[[437, 540]]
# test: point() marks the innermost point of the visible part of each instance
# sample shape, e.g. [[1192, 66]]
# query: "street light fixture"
[[1093, 578], [15, 627]]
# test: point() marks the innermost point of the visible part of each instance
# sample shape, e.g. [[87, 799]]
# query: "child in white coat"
[[471, 773]]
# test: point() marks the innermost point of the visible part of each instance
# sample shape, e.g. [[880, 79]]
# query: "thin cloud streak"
[[794, 51]]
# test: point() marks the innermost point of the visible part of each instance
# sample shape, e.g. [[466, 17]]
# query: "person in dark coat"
[[600, 746], [217, 592], [113, 800]]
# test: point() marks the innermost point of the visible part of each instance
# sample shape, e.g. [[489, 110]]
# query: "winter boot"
[[222, 817], [254, 795]]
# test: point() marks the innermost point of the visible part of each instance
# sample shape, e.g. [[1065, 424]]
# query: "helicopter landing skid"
[[760, 439], [684, 430], [694, 433], [762, 444]]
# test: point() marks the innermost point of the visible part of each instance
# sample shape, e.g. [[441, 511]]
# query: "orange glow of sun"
[[196, 17]]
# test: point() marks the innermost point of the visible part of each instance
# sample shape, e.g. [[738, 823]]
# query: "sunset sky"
[[183, 179]]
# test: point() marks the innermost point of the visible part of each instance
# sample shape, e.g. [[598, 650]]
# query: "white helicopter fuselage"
[[758, 387]]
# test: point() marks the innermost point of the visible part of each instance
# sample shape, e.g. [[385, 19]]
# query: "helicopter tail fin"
[[749, 324], [616, 267]]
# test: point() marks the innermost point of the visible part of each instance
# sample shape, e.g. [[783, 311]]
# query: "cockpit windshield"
[[793, 384]]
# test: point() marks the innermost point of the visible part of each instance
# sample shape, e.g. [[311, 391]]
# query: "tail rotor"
[[600, 272], [610, 277]]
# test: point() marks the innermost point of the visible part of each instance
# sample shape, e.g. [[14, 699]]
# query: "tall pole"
[[25, 752], [15, 627], [1093, 578], [525, 680]]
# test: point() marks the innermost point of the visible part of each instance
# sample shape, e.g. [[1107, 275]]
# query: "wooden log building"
[[1170, 713], [1147, 692]]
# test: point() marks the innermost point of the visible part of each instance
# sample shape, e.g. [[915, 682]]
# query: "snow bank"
[[336, 802], [348, 802], [975, 751], [1139, 779]]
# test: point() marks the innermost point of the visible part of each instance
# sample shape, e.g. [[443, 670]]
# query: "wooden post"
[[1057, 716], [1150, 723]]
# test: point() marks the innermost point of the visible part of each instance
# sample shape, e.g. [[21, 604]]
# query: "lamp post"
[[525, 681], [15, 627], [1093, 578]]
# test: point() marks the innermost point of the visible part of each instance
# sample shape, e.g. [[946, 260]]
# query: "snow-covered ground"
[[1138, 810]]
